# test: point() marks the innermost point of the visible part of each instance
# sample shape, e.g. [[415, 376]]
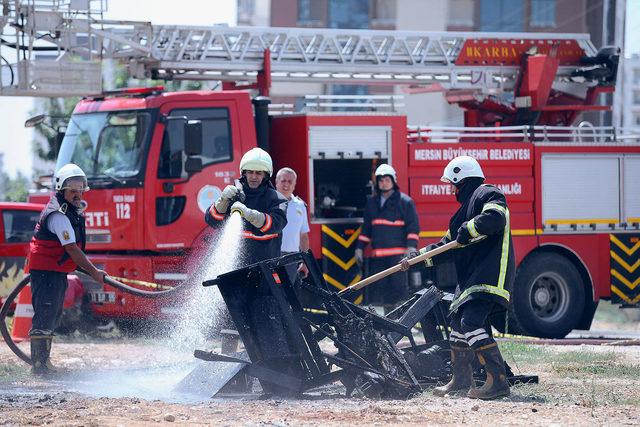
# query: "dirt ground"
[[581, 384]]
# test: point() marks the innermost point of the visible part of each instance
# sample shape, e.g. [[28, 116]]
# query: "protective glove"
[[228, 194], [360, 257], [254, 217], [464, 237], [409, 253]]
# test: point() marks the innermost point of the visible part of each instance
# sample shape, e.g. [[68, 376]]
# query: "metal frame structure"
[[238, 54]]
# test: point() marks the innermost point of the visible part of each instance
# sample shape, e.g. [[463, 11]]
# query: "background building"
[[631, 94]]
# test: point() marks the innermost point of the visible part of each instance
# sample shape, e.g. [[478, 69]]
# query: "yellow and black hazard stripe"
[[625, 268], [339, 265]]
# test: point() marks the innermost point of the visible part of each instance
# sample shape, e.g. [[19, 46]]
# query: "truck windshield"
[[107, 145]]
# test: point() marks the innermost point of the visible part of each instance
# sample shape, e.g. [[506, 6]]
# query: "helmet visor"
[[75, 183]]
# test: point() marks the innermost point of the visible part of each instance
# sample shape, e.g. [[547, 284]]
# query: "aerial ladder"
[[527, 78]]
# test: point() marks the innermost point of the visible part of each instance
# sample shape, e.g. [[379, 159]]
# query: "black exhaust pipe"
[[261, 112]]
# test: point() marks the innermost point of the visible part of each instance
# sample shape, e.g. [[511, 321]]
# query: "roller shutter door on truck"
[[328, 141], [337, 144], [580, 193]]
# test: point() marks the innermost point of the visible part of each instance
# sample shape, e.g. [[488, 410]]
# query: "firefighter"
[[264, 213], [264, 210], [391, 227], [485, 267], [55, 250]]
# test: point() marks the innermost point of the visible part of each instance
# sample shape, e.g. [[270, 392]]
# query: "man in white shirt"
[[295, 236]]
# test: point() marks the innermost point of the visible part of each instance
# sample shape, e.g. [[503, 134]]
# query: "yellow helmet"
[[256, 159]]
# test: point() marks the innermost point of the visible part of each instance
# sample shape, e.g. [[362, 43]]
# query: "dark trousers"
[[47, 290], [469, 324], [390, 290]]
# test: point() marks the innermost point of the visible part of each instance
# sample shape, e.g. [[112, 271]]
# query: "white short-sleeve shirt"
[[59, 224], [297, 222]]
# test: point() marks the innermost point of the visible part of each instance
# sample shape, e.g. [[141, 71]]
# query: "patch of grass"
[[518, 352], [572, 363]]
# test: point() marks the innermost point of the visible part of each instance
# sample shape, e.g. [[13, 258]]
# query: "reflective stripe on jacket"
[[259, 243], [391, 228], [486, 268]]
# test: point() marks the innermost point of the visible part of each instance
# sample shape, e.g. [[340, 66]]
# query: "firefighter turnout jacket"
[[486, 267], [260, 243], [390, 228], [45, 250]]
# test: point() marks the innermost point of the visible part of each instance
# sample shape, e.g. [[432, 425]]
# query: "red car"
[[17, 221]]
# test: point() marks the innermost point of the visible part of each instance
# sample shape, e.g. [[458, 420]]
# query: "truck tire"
[[548, 296]]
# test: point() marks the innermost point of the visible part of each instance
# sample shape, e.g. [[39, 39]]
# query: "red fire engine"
[[575, 211]]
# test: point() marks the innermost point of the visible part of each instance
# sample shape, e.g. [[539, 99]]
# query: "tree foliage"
[[12, 189]]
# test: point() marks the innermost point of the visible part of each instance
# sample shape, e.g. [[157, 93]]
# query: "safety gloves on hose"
[[464, 235], [229, 193], [254, 217], [359, 257]]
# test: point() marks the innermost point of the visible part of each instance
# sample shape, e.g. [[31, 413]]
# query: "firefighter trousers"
[[47, 290], [469, 324]]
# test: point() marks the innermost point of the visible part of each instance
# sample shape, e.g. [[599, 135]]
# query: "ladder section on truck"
[[451, 60]]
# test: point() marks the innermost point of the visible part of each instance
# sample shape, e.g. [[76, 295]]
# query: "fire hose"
[[4, 310]]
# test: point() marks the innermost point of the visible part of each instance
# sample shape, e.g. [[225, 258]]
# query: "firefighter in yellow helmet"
[[485, 266], [263, 209]]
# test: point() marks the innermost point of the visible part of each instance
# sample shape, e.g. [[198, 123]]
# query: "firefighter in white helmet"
[[485, 266], [263, 209], [391, 228], [55, 250]]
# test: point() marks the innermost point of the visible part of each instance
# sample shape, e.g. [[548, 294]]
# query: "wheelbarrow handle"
[[384, 273]]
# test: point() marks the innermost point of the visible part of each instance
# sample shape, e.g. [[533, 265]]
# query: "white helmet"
[[460, 168], [385, 169], [68, 174], [256, 159]]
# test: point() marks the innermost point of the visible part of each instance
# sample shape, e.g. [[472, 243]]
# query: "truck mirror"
[[193, 138], [192, 165], [35, 120]]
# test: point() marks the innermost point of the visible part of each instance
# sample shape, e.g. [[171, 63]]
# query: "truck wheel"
[[548, 296]]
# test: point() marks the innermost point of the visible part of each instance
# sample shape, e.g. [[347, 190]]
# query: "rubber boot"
[[496, 384], [40, 350], [462, 380]]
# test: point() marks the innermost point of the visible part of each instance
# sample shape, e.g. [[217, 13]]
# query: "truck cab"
[[145, 210]]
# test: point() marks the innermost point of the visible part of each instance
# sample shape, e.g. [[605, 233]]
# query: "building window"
[[636, 119], [349, 14], [501, 15], [310, 12], [246, 9], [636, 76], [636, 97], [461, 13], [383, 12], [543, 13]]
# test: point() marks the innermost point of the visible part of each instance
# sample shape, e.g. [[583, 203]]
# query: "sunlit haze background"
[[15, 140]]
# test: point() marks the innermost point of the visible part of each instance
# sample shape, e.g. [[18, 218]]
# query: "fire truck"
[[156, 160]]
